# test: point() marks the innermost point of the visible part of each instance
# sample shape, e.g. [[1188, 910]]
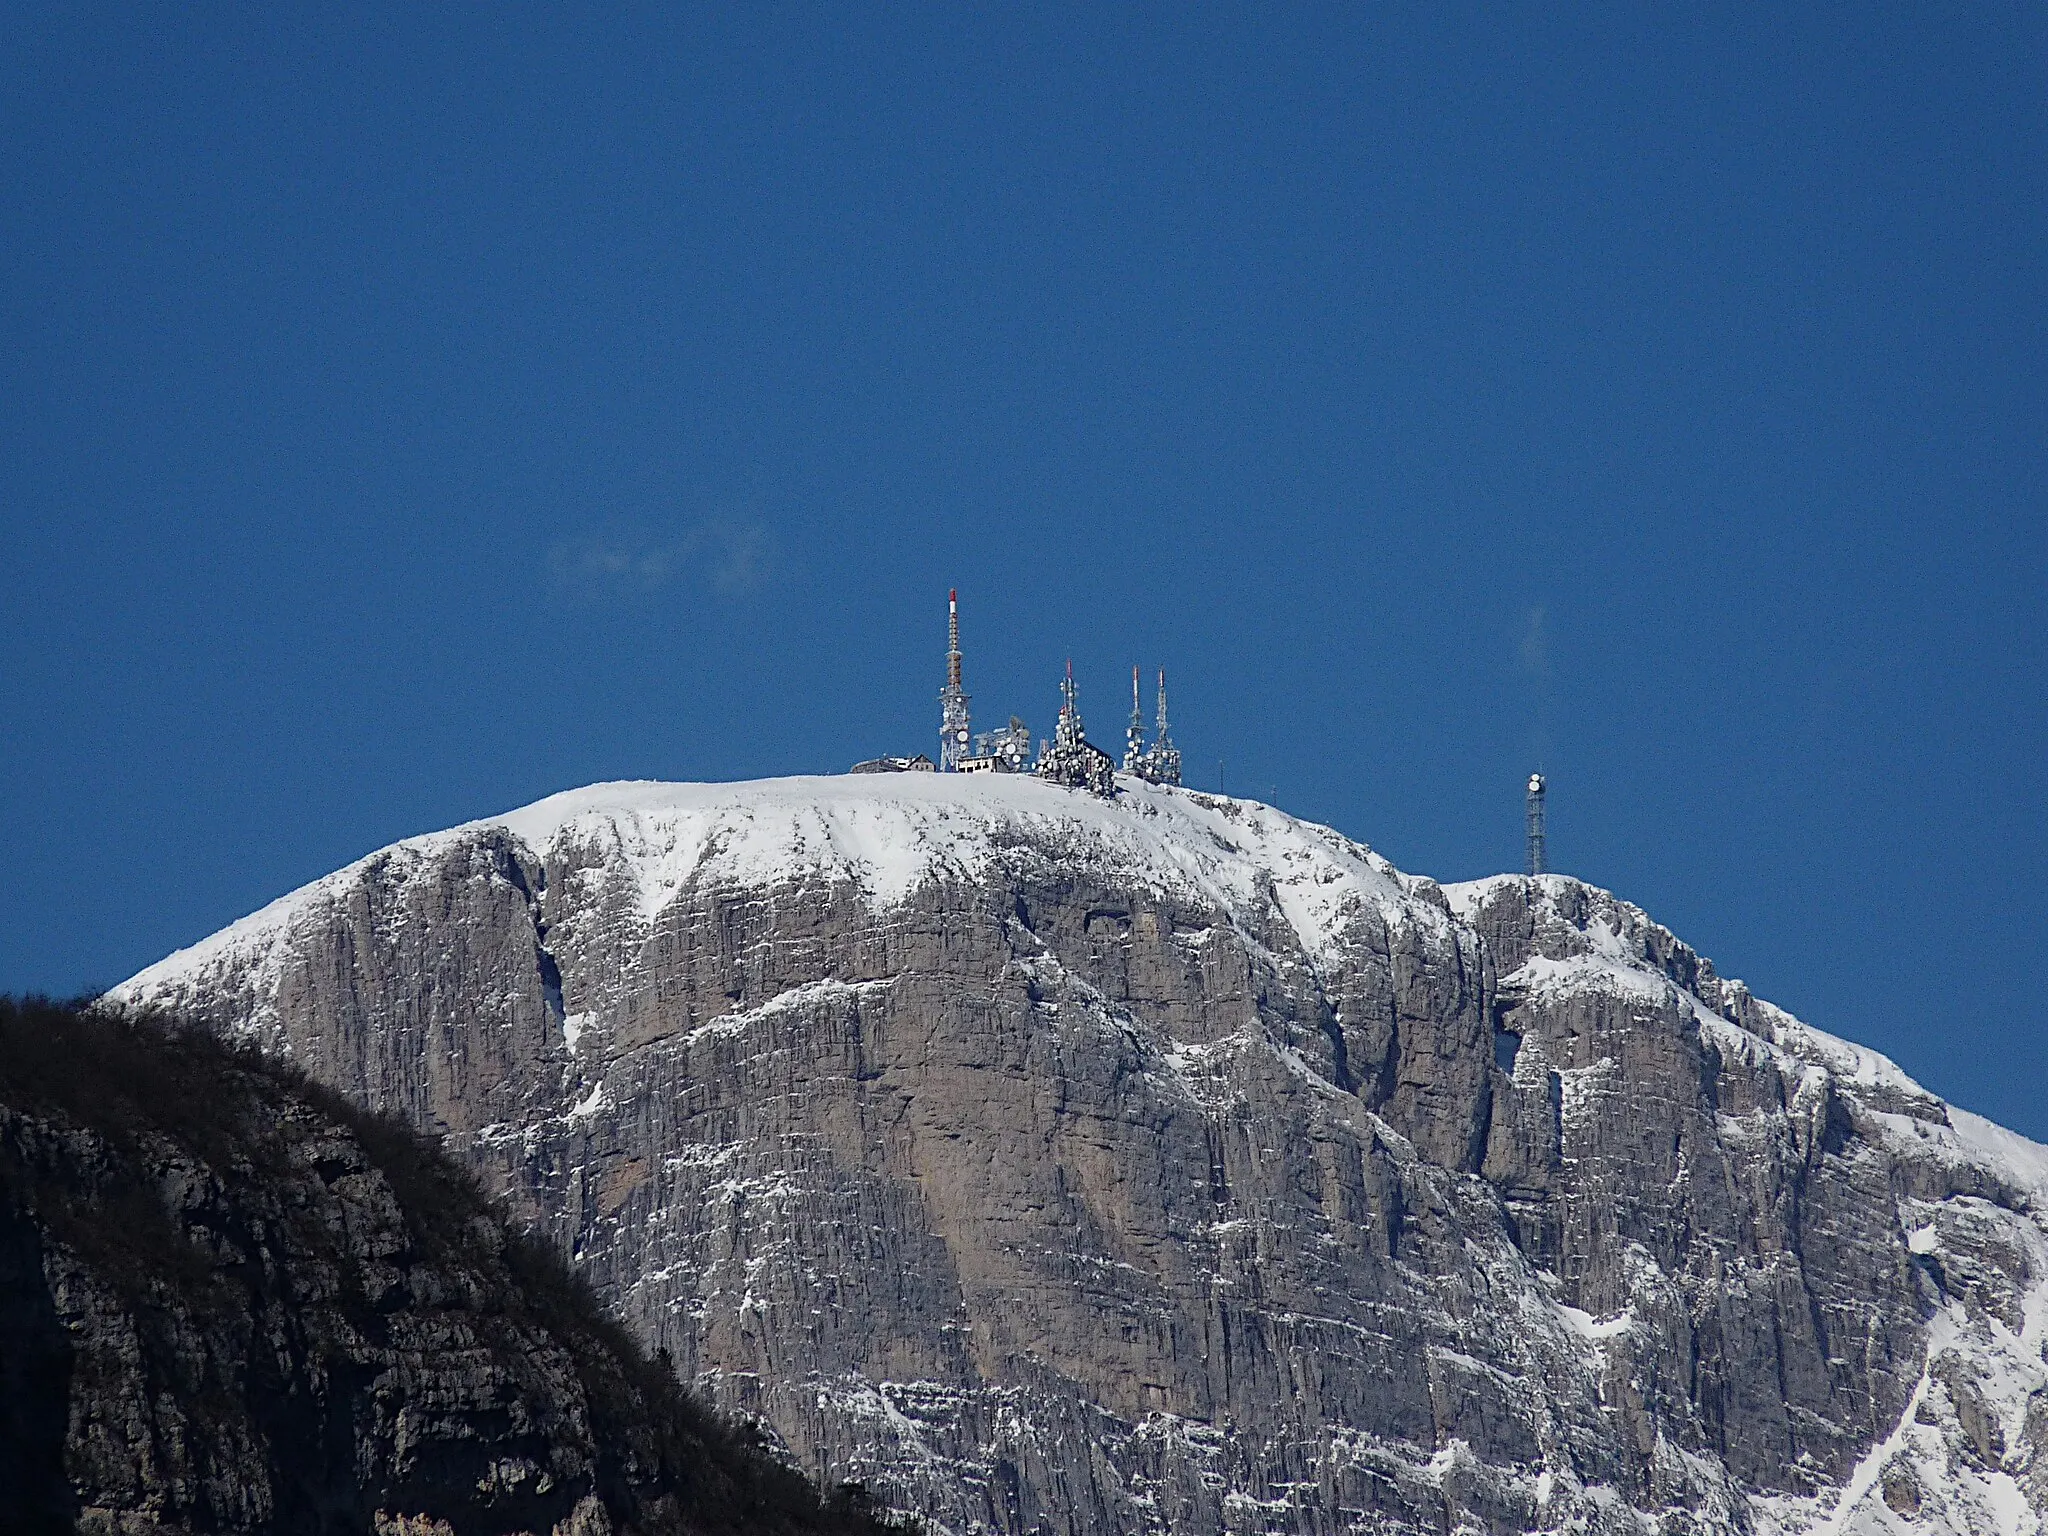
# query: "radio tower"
[[1535, 823], [953, 714], [1067, 732], [1134, 735], [1165, 755], [1070, 758]]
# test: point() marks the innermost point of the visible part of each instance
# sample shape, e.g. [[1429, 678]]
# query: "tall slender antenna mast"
[[953, 637], [1164, 756], [1134, 734], [1536, 835], [954, 720]]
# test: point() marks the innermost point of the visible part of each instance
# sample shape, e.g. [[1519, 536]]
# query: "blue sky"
[[404, 416]]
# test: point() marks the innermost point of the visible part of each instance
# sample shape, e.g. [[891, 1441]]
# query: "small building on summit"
[[917, 764], [1004, 751]]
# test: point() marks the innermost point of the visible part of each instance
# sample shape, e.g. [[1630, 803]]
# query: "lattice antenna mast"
[[1536, 835], [1070, 758], [1068, 739], [1134, 735], [1165, 755], [955, 722]]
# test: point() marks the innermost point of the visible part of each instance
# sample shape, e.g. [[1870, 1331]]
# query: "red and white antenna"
[[954, 717], [953, 637]]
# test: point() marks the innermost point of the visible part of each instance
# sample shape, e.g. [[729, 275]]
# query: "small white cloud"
[[731, 559], [741, 562], [1535, 646]]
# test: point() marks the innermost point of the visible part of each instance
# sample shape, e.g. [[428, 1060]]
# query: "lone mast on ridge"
[[1536, 848]]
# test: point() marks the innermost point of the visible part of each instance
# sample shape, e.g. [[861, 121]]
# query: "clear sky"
[[411, 411]]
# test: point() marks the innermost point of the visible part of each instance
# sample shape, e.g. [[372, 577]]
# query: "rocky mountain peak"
[[1169, 1164]]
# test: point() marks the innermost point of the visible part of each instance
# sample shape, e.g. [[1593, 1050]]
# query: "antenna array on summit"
[[1069, 758], [1160, 762]]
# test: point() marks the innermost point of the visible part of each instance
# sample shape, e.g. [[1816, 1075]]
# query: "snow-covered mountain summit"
[[1169, 1164], [887, 836]]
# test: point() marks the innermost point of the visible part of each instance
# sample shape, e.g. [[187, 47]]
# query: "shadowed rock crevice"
[[35, 1368]]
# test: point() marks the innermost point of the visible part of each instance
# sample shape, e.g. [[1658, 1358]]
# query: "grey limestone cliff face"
[[1206, 1175]]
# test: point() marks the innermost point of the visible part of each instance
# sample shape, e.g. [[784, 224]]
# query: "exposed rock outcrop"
[[1171, 1165]]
